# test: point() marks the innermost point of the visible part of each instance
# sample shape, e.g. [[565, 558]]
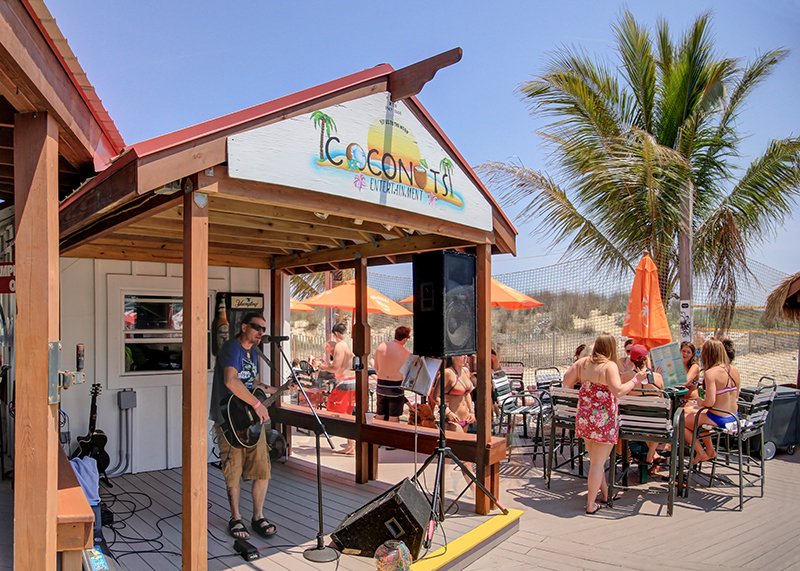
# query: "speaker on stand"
[[445, 325], [445, 312]]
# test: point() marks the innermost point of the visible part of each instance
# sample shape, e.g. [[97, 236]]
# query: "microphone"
[[260, 353], [276, 338]]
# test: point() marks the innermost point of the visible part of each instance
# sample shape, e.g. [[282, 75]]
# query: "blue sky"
[[162, 66]]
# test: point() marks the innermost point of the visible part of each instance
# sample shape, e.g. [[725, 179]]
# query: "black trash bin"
[[782, 429]]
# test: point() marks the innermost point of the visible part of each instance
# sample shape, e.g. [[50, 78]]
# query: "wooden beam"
[[347, 208], [409, 80], [37, 325], [158, 243], [297, 230], [483, 407], [194, 536], [139, 209], [234, 205], [384, 248], [116, 188], [166, 256]]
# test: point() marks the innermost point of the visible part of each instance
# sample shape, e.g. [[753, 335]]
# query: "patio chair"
[[649, 418], [513, 404], [564, 403], [515, 371], [733, 444]]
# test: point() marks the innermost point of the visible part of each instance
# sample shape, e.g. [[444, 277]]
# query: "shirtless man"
[[389, 357]]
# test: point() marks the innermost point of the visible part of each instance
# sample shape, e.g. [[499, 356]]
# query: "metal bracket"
[[54, 364]]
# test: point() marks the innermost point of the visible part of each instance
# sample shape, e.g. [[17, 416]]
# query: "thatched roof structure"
[[784, 301]]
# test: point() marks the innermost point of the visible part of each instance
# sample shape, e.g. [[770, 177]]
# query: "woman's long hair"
[[605, 349], [693, 359], [713, 353]]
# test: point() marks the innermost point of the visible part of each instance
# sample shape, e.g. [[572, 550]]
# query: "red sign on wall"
[[8, 282]]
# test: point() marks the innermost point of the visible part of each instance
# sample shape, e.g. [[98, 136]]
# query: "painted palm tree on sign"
[[628, 142], [325, 124], [446, 166]]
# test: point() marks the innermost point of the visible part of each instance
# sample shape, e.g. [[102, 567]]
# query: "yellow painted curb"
[[463, 544]]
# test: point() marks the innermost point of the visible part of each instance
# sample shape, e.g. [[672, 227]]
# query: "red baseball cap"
[[638, 352]]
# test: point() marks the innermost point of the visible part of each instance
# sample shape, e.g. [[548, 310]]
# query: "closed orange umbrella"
[[295, 305], [502, 296], [344, 297], [646, 321]]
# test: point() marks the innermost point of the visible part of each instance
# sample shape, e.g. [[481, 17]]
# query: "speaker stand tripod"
[[441, 453], [320, 553]]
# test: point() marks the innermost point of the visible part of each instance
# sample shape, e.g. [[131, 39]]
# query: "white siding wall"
[[85, 314]]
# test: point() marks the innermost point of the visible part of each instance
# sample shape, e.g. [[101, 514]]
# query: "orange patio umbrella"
[[344, 297], [645, 320], [295, 305], [502, 296]]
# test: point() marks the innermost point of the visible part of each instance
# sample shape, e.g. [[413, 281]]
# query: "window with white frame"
[[144, 332]]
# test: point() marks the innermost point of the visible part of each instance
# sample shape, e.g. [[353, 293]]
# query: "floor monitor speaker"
[[402, 513], [445, 312]]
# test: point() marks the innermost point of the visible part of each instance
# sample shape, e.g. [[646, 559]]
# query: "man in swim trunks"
[[389, 357]]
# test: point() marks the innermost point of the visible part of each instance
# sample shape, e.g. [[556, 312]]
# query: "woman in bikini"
[[597, 419], [460, 412], [689, 356], [721, 382]]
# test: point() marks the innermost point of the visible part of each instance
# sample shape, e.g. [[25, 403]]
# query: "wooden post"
[[483, 408], [361, 349], [685, 268], [194, 540], [37, 268], [276, 328]]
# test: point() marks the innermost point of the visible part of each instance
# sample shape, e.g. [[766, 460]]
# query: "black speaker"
[[402, 513], [445, 314]]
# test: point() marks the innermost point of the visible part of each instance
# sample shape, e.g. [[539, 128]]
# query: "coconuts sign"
[[371, 149]]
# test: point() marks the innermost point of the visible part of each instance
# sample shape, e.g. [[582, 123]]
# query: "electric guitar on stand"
[[94, 443]]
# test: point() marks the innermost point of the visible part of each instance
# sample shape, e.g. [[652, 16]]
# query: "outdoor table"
[[674, 393]]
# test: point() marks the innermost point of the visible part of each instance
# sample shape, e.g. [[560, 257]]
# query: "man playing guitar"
[[236, 371]]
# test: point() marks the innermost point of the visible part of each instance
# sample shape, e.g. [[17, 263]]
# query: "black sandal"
[[263, 527], [237, 526]]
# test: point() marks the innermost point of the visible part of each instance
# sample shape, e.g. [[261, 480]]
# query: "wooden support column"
[[276, 328], [483, 408], [361, 349], [37, 268], [194, 540]]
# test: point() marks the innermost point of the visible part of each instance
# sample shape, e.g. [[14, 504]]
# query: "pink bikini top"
[[461, 387]]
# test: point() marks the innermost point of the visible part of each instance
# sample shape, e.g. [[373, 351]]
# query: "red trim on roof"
[[181, 136], [115, 140], [463, 161]]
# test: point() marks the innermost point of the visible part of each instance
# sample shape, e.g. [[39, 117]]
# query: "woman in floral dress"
[[597, 420]]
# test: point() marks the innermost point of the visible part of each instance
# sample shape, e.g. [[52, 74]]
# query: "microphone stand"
[[320, 553]]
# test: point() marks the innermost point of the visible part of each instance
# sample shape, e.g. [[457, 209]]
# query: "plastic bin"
[[782, 429]]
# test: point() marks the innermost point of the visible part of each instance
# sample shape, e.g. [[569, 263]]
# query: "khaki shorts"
[[243, 463]]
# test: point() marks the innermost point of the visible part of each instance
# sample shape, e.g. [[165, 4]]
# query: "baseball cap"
[[638, 352]]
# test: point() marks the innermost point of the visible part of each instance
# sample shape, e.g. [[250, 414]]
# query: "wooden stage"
[[554, 531]]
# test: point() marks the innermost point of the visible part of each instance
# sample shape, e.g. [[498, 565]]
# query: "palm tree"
[[629, 142], [324, 122]]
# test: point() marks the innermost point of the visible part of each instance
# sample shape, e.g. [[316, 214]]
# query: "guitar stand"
[[441, 453], [320, 553]]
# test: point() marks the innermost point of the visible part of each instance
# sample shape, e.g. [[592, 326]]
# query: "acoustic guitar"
[[94, 443], [241, 425]]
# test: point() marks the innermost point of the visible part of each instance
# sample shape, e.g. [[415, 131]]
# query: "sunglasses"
[[257, 327], [628, 351]]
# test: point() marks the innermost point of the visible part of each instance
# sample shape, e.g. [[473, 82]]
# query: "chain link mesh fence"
[[579, 304]]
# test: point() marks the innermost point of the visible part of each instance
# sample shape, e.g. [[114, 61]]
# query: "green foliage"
[[629, 142]]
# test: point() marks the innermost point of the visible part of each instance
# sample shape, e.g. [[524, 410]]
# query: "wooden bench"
[[74, 517], [402, 436]]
